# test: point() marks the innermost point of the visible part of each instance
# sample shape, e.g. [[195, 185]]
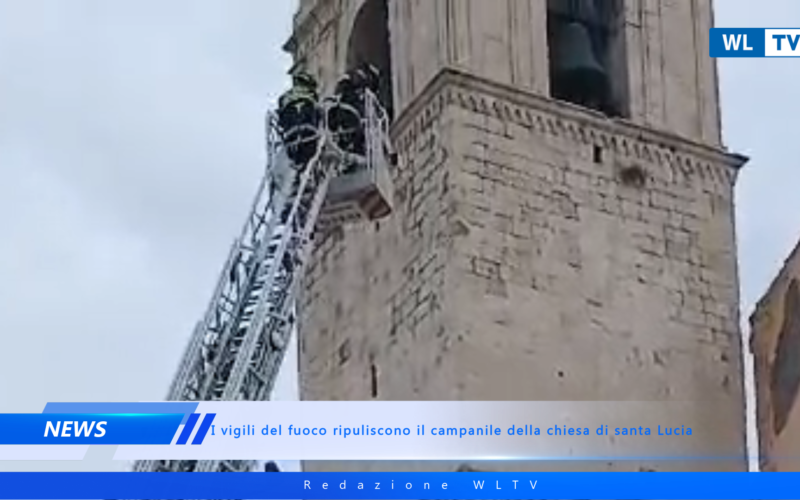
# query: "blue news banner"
[[188, 428]]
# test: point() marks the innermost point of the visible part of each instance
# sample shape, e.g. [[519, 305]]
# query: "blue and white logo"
[[783, 43], [754, 42]]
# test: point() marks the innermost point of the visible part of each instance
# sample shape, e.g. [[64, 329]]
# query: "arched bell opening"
[[370, 43], [588, 62]]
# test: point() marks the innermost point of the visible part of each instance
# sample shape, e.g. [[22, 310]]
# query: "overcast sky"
[[131, 143]]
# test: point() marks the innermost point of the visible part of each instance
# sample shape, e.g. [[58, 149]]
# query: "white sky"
[[131, 141]]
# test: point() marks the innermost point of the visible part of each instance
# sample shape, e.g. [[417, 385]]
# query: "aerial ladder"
[[238, 346]]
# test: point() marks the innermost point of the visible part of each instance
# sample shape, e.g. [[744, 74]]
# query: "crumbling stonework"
[[537, 250]]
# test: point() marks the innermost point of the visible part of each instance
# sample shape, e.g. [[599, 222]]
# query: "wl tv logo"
[[754, 42]]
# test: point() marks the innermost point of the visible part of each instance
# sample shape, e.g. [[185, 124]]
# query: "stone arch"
[[370, 42]]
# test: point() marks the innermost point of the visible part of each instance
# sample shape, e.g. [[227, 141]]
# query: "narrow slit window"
[[373, 380]]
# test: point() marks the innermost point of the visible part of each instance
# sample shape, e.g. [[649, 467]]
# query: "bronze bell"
[[583, 11], [578, 75]]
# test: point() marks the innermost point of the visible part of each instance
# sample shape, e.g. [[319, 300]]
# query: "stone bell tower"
[[563, 223]]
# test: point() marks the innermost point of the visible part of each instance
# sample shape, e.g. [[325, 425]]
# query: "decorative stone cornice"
[[310, 24], [452, 87]]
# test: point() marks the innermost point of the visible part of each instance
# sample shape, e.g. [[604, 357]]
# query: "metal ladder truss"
[[238, 346]]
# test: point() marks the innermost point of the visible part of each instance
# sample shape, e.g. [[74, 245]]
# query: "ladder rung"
[[279, 317], [257, 375]]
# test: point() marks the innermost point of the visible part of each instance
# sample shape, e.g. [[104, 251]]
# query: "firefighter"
[[344, 119], [371, 79], [366, 77], [298, 118], [298, 126], [372, 83], [347, 121]]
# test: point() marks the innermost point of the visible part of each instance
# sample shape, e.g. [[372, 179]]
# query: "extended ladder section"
[[238, 346]]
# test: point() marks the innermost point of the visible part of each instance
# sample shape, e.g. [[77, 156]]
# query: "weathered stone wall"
[[623, 291], [520, 266], [374, 294], [773, 318], [671, 81], [517, 264]]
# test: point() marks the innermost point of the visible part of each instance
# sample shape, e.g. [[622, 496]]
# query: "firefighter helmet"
[[304, 79]]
